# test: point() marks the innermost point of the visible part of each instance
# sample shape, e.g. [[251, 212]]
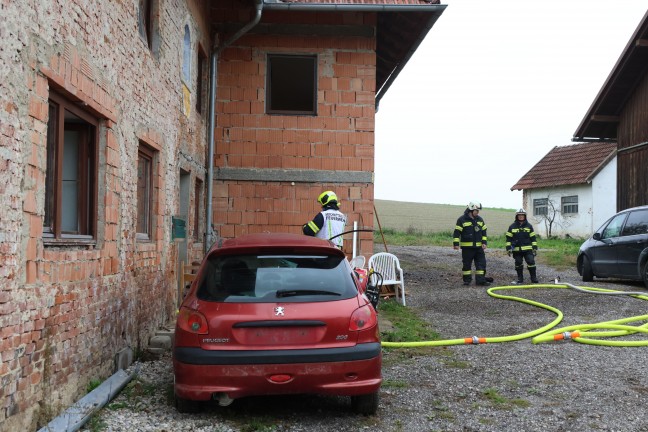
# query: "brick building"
[[118, 161]]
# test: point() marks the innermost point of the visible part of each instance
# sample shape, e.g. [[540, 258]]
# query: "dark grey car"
[[619, 249]]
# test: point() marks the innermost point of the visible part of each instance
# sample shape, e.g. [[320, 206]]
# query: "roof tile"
[[567, 165]]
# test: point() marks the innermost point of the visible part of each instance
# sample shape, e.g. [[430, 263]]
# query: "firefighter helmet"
[[520, 212], [327, 197], [474, 205]]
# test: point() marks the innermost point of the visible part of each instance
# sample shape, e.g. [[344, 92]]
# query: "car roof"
[[644, 207], [283, 242]]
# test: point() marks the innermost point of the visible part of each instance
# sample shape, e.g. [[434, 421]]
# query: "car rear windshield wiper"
[[300, 292]]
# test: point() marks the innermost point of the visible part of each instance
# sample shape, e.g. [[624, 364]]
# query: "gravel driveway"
[[514, 386]]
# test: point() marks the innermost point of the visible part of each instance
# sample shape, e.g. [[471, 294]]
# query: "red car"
[[272, 314]]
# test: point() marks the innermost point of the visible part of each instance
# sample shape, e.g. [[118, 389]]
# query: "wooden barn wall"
[[632, 175]]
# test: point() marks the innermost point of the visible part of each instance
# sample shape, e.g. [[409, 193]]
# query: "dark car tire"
[[588, 275], [365, 404], [645, 274], [187, 406]]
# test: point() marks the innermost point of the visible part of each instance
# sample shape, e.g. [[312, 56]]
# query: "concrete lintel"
[[294, 175]]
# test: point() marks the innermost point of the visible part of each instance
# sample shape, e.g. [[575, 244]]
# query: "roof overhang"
[[400, 29], [601, 121]]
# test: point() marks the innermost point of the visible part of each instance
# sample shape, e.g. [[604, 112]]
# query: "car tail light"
[[363, 318], [192, 321]]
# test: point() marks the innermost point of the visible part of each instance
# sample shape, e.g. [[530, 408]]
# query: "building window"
[[201, 77], [197, 201], [149, 12], [145, 171], [71, 172], [569, 204], [291, 86], [186, 56], [540, 207]]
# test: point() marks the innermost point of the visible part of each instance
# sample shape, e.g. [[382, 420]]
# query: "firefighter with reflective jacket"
[[470, 235], [521, 242], [329, 222]]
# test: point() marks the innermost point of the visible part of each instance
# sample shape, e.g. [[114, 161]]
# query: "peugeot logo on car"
[[279, 311]]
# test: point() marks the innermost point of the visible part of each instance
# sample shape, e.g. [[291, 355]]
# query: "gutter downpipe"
[[436, 10], [209, 240]]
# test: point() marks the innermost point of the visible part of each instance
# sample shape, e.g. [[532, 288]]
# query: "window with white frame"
[[569, 204], [540, 207]]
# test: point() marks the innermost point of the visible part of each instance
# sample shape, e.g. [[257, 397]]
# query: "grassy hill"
[[434, 218]]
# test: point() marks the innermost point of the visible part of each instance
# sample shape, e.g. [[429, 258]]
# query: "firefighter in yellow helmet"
[[329, 223], [521, 242], [470, 235]]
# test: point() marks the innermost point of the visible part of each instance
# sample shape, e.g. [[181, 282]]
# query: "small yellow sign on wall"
[[186, 96]]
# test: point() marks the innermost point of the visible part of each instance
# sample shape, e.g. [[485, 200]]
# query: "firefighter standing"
[[521, 242], [470, 235], [329, 222]]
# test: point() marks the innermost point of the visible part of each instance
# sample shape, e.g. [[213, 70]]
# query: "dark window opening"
[[291, 84], [201, 84]]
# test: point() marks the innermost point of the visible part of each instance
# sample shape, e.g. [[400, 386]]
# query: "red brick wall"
[[339, 138], [65, 310]]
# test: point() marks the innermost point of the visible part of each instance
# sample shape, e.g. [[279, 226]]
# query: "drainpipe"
[[212, 116]]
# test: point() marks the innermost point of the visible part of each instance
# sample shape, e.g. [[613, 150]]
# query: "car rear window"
[[637, 223], [275, 278]]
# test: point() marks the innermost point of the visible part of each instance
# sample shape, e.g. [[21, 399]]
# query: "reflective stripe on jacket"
[[521, 237], [328, 223], [469, 232]]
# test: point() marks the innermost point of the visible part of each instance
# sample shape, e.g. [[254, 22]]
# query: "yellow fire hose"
[[578, 333]]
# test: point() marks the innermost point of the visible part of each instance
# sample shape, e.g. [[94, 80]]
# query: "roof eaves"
[[610, 82]]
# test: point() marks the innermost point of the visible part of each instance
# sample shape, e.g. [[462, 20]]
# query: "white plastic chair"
[[389, 267], [358, 262]]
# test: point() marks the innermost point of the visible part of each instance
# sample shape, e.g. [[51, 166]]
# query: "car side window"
[[613, 229], [637, 223]]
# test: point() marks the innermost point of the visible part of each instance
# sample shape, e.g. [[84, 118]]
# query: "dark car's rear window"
[[637, 223], [272, 278]]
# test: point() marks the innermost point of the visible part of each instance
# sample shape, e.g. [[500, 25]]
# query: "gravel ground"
[[513, 386]]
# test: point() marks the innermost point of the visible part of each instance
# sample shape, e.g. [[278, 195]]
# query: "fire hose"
[[582, 333]]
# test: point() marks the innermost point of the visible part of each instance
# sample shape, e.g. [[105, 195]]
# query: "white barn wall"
[[604, 194], [578, 225]]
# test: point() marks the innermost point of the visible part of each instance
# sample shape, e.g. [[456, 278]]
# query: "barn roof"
[[402, 25], [568, 165], [602, 118]]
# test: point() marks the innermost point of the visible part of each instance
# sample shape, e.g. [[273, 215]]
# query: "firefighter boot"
[[520, 275], [467, 280], [532, 273]]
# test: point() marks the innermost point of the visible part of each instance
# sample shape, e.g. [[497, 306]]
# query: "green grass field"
[[435, 218]]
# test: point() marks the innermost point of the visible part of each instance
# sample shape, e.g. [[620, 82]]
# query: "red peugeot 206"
[[272, 314]]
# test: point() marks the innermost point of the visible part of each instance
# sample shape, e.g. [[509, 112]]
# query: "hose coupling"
[[566, 335], [475, 340]]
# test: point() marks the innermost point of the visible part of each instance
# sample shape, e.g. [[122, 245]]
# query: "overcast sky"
[[490, 91]]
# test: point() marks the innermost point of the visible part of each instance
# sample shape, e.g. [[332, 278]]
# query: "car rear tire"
[[588, 275], [645, 274], [187, 405], [365, 404]]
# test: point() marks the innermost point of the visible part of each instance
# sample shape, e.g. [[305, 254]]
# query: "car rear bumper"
[[348, 374], [199, 356]]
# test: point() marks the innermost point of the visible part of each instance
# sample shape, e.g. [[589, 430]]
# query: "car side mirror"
[[597, 236]]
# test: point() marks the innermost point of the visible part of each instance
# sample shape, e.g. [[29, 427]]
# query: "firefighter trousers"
[[476, 254]]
